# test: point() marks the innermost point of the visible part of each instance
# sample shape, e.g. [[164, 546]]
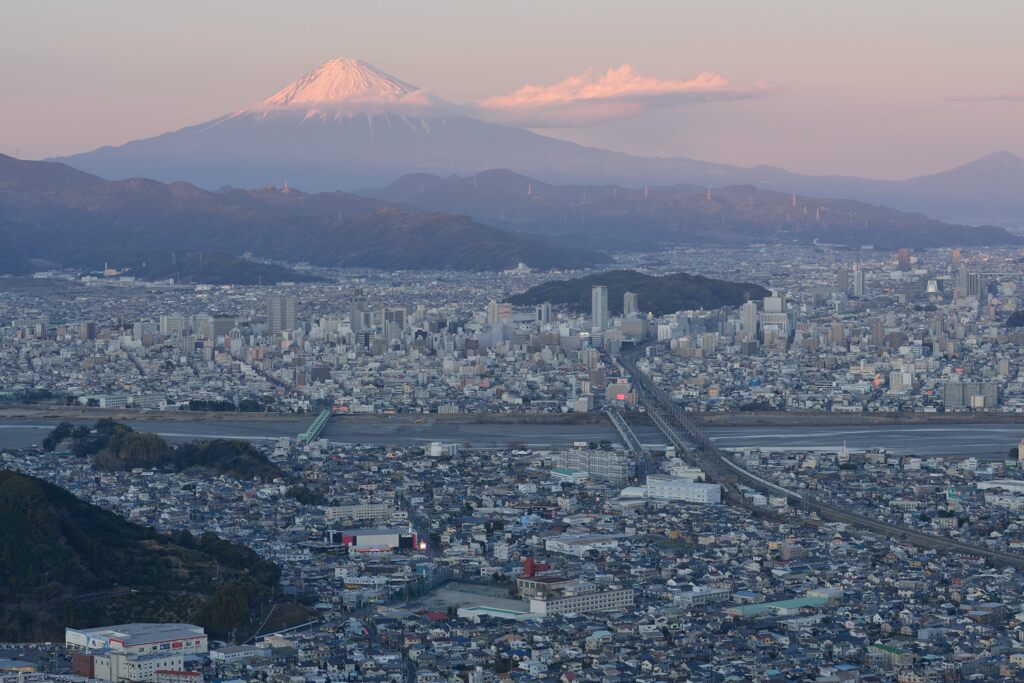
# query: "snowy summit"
[[346, 85]]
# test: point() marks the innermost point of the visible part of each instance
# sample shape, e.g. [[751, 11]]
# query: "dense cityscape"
[[599, 561], [462, 342]]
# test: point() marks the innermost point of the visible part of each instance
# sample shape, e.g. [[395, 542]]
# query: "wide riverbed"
[[949, 440]]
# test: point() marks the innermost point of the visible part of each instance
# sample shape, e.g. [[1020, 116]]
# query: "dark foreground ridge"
[[65, 562]]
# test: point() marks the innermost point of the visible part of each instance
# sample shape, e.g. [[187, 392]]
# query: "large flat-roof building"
[[133, 652], [139, 638]]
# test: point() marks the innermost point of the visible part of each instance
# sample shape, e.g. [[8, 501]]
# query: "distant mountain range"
[[346, 125], [65, 562], [54, 216], [619, 217], [658, 295]]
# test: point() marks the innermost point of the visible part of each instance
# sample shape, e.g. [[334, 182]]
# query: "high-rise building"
[[630, 304], [397, 315], [280, 313], [775, 323], [357, 310], [842, 280], [976, 286], [499, 313], [396, 320], [858, 281], [877, 332], [544, 312], [748, 320], [903, 259], [172, 324], [599, 308]]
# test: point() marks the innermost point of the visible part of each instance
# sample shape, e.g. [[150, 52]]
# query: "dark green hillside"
[[65, 562], [115, 446], [658, 295]]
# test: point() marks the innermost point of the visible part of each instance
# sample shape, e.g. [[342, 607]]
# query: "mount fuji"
[[343, 125], [347, 125]]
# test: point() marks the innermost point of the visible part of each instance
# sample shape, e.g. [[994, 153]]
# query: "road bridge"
[[645, 463], [719, 467]]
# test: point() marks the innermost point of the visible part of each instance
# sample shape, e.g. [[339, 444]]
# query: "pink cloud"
[[595, 97]]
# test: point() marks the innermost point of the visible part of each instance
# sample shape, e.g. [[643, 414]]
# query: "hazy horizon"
[[871, 90]]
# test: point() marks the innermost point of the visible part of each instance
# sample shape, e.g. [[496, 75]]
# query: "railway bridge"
[[684, 433]]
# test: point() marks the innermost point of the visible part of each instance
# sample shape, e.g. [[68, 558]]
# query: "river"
[[950, 440]]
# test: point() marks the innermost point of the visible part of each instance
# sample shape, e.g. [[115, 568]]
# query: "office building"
[[903, 259], [748, 320], [599, 308], [396, 320], [774, 321], [358, 309], [842, 280], [544, 312], [630, 305], [858, 282], [500, 313], [172, 324], [280, 313]]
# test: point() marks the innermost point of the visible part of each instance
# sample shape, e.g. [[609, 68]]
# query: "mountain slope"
[[685, 214], [156, 229], [58, 552], [658, 295], [346, 124]]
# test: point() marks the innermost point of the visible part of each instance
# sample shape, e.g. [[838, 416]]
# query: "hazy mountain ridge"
[[684, 214], [346, 124], [50, 213]]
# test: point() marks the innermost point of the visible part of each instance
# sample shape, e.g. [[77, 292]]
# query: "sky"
[[874, 88]]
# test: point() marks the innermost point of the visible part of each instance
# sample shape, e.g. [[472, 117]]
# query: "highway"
[[693, 444]]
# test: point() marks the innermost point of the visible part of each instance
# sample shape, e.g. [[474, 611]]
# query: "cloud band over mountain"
[[596, 97]]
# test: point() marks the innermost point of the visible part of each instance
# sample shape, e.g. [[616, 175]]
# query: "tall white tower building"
[[599, 308]]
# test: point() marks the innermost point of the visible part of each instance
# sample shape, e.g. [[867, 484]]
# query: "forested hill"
[[65, 562], [658, 295]]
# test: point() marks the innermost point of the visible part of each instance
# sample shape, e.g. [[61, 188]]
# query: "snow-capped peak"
[[346, 84]]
